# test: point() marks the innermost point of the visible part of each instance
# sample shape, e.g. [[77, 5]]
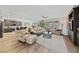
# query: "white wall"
[[64, 21], [1, 18]]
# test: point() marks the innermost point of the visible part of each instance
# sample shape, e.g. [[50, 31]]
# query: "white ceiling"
[[34, 12]]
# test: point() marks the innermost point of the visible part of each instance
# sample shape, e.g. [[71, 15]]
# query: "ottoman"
[[21, 38], [31, 39]]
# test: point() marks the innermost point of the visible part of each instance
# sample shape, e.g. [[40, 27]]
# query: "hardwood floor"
[[70, 46], [9, 44]]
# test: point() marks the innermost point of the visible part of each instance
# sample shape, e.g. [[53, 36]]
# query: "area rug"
[[55, 44]]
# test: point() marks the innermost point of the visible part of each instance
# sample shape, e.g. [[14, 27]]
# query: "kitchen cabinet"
[[73, 25]]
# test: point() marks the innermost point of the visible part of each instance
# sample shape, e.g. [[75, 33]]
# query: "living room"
[[35, 29]]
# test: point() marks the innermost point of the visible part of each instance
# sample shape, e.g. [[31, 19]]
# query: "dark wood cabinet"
[[1, 29], [74, 21]]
